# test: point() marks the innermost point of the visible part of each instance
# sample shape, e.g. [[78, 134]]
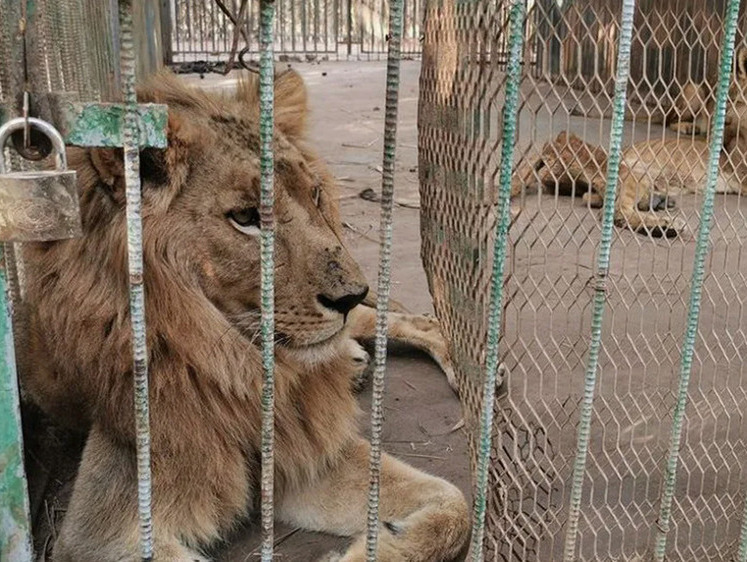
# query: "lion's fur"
[[202, 298]]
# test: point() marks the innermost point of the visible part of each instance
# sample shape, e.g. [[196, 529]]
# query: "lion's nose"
[[344, 303]]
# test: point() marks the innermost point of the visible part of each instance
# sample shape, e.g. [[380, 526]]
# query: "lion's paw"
[[333, 556], [663, 226], [362, 365], [657, 201]]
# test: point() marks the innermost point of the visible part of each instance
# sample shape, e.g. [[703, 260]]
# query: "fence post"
[[131, 147], [696, 284], [517, 15], [267, 269], [166, 23], [350, 27], [602, 268], [15, 524], [385, 250]]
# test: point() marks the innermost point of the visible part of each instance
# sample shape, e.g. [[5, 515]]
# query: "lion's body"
[[651, 171], [205, 371]]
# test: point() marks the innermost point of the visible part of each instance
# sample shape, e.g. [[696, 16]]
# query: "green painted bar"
[[102, 124], [599, 303], [517, 16], [702, 247], [267, 272], [15, 526]]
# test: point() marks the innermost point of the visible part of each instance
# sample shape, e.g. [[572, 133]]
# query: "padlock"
[[38, 206]]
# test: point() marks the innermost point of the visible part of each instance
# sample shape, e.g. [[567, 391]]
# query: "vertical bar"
[[304, 26], [131, 147], [15, 521], [350, 27], [701, 252], [600, 289], [293, 24], [116, 41], [249, 19], [166, 31], [316, 26], [282, 26], [742, 554], [510, 114], [267, 260], [385, 244]]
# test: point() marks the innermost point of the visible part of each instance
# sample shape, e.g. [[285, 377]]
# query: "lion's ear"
[[291, 103]]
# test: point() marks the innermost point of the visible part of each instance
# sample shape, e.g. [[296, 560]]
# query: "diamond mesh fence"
[[560, 168]]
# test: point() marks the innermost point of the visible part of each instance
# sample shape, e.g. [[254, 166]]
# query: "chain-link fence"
[[304, 29], [570, 58]]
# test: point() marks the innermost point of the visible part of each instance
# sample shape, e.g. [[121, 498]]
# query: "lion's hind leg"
[[423, 518]]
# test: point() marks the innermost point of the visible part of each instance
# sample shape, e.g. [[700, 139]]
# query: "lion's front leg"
[[421, 332], [423, 518]]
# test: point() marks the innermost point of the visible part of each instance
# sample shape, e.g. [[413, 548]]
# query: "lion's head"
[[205, 190]]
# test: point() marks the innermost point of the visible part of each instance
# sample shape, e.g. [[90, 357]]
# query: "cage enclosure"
[[568, 68]]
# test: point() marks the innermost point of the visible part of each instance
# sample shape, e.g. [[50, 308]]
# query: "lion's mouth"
[[287, 341], [249, 326]]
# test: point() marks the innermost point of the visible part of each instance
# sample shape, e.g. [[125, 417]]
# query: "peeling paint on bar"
[[131, 122], [102, 124]]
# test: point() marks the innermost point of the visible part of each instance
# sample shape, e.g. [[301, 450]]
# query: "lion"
[[202, 279], [694, 105], [651, 172]]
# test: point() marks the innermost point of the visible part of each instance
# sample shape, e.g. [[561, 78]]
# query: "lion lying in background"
[[651, 171], [694, 104], [201, 251]]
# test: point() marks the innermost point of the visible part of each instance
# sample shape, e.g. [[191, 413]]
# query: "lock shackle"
[[52, 134]]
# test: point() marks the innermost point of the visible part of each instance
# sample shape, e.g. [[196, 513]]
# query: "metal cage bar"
[[742, 554], [384, 278], [131, 146], [510, 116], [600, 290], [15, 528], [698, 276], [15, 532], [267, 267]]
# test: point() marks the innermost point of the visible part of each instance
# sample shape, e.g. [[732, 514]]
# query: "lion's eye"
[[245, 220]]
